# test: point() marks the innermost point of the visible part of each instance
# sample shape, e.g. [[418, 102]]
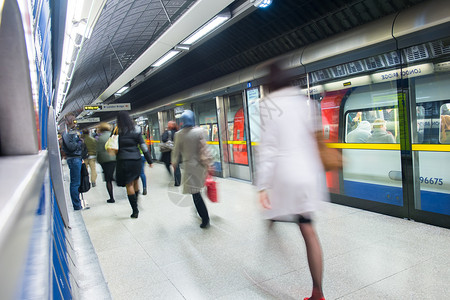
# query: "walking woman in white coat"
[[191, 144], [290, 174]]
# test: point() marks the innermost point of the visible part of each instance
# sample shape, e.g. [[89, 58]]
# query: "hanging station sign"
[[92, 107], [88, 120], [108, 107], [116, 107]]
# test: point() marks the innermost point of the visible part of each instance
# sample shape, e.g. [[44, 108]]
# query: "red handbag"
[[211, 188]]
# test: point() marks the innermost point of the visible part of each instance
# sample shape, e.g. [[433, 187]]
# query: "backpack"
[[85, 185], [84, 151]]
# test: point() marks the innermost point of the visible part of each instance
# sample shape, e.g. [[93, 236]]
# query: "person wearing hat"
[[379, 134], [190, 142]]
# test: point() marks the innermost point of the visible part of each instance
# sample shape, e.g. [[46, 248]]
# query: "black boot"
[[201, 209], [133, 203]]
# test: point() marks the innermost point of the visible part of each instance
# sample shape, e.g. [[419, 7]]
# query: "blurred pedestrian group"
[[126, 164], [286, 193]]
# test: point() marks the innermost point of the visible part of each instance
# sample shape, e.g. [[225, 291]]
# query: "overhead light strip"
[[122, 89], [165, 58], [210, 26]]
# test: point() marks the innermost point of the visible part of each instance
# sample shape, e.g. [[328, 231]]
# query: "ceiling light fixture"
[[261, 3], [122, 89], [182, 47], [165, 58], [208, 27]]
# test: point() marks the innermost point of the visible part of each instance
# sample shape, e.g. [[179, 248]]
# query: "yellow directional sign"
[[92, 107]]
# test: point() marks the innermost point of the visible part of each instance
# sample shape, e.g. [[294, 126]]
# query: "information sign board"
[[116, 107], [88, 120]]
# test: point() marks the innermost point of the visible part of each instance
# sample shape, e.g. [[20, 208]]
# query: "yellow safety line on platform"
[[232, 143], [364, 146], [237, 142], [415, 147], [431, 147]]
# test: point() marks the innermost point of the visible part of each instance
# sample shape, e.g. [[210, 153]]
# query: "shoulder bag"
[[331, 158], [112, 144], [168, 145]]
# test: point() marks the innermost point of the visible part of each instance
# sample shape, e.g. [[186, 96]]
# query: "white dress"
[[288, 163]]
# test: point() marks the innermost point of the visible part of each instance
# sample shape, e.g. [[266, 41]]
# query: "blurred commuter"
[[72, 146], [142, 175], [106, 160], [290, 174], [129, 162], [91, 145], [353, 119], [190, 143], [379, 134], [360, 134], [445, 110], [389, 114], [445, 129], [169, 135]]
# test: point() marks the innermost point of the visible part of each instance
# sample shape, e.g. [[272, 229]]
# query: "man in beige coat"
[[191, 144]]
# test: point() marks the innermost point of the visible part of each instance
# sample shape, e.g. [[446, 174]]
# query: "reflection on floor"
[[165, 255]]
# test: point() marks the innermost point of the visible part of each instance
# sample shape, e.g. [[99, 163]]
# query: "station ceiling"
[[126, 28]]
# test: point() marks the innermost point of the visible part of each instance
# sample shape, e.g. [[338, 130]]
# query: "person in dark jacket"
[[72, 146], [129, 158], [169, 134], [107, 161]]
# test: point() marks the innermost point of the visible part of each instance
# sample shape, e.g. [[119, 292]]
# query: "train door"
[[373, 168], [142, 122], [371, 177], [153, 135], [430, 102], [235, 147], [253, 96], [206, 118], [392, 124]]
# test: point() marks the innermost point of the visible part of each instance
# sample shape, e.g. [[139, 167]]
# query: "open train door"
[[330, 106]]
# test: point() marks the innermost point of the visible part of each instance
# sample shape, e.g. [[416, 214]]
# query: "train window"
[[444, 133], [378, 125], [431, 94], [206, 116], [420, 111]]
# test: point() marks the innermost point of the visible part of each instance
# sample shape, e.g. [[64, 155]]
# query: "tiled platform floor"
[[165, 255]]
